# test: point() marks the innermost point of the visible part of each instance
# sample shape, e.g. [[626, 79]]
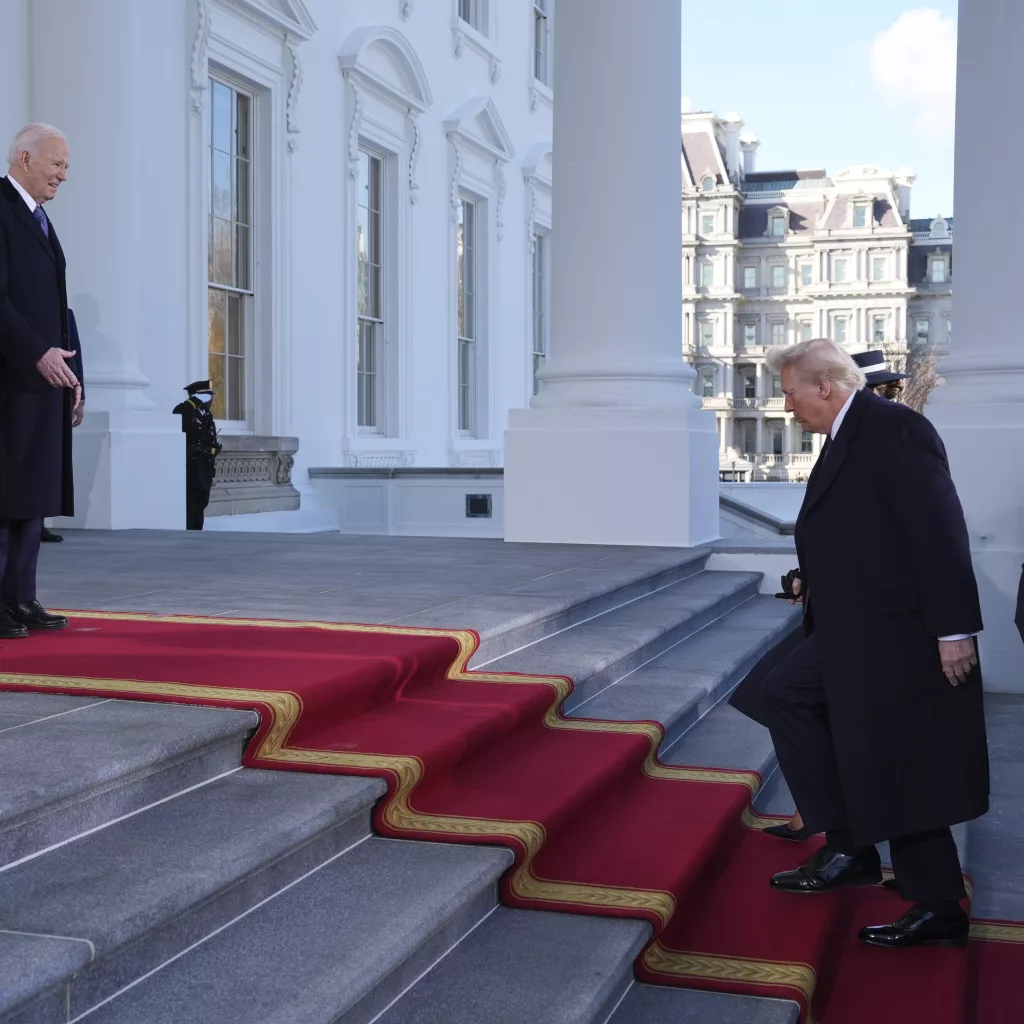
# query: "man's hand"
[[797, 596], [78, 409], [958, 657], [53, 368]]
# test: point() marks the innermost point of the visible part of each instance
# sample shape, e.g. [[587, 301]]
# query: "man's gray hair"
[[819, 360], [29, 138]]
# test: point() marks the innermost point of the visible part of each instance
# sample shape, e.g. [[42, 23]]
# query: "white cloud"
[[913, 64]]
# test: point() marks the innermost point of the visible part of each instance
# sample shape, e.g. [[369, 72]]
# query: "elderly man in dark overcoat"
[[877, 715], [39, 392]]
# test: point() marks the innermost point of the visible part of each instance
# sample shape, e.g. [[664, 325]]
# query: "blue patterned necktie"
[[40, 216]]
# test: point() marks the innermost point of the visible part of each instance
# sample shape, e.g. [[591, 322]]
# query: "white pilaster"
[[615, 449], [109, 73], [980, 408]]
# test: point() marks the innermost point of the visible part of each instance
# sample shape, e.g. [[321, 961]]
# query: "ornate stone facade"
[[254, 474]]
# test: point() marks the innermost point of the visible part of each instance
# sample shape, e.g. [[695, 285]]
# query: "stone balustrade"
[[254, 474]]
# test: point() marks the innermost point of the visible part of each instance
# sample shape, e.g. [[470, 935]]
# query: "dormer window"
[[938, 271], [860, 215], [940, 228], [708, 184], [778, 226], [778, 222]]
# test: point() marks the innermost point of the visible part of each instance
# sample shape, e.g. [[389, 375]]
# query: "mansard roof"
[[703, 156]]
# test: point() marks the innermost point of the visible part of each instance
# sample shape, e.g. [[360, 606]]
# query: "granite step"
[[69, 764], [575, 969], [336, 948], [140, 891], [520, 614], [604, 649]]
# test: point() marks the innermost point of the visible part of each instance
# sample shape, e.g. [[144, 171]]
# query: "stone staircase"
[[145, 878]]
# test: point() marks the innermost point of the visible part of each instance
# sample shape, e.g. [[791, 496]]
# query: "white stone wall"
[[450, 109]]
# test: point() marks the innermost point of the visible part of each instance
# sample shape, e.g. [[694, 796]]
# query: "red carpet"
[[597, 824]]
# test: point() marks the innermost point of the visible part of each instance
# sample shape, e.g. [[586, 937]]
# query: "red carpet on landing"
[[597, 824]]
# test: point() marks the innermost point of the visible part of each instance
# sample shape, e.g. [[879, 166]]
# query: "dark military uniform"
[[201, 450]]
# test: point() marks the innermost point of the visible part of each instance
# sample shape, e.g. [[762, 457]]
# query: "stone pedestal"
[[615, 448], [979, 410], [254, 474]]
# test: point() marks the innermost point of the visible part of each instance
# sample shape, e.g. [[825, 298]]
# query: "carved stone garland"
[[198, 70]]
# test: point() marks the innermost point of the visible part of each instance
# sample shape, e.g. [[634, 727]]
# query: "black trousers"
[[199, 471], [926, 864], [19, 554]]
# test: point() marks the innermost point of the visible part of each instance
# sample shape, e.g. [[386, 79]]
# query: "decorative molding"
[[453, 191], [475, 460], [279, 17], [502, 189], [540, 93], [405, 9], [398, 77], [531, 214], [353, 128], [380, 460], [414, 152], [294, 86], [198, 65], [285, 463], [477, 124], [495, 70], [534, 99], [460, 38]]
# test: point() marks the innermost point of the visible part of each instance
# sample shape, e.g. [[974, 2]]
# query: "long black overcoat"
[[35, 417], [886, 563]]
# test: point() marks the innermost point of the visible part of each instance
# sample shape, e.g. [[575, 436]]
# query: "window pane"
[[879, 268], [778, 277], [221, 117], [840, 270], [750, 334], [235, 332], [242, 276], [938, 270], [708, 184], [778, 334], [840, 329], [776, 386], [243, 200], [221, 206], [707, 223], [243, 130], [236, 388], [878, 328], [218, 374], [217, 320], [805, 331], [806, 274], [222, 254], [778, 226], [923, 327], [860, 216], [750, 277]]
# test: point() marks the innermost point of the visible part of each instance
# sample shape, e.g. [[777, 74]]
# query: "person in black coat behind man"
[[74, 341], [877, 716], [39, 392], [201, 450]]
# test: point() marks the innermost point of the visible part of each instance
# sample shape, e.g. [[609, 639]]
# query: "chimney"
[[732, 125], [905, 178], [749, 143]]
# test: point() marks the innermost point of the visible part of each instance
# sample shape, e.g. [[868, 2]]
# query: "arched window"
[[708, 184]]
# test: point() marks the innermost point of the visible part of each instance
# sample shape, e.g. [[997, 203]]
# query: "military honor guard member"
[[201, 450]]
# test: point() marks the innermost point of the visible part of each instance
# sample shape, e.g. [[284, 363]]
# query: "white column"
[[109, 74], [980, 409], [615, 449]]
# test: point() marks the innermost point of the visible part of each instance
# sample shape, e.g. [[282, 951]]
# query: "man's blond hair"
[[819, 360]]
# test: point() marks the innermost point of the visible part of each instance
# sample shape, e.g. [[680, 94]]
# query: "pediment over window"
[[384, 59], [289, 17], [478, 124], [537, 164]]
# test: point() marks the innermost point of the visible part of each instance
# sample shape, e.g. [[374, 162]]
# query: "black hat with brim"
[[200, 387], [875, 369]]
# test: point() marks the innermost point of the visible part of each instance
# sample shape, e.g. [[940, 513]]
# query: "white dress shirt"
[[836, 424], [29, 201]]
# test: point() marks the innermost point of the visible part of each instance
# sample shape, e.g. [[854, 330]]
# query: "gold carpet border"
[[997, 931], [673, 963]]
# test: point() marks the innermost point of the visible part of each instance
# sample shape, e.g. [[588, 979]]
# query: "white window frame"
[[775, 428], [704, 219], [861, 207], [749, 271], [374, 392], [743, 377], [845, 322], [751, 327], [933, 263], [780, 270], [540, 322], [805, 330], [876, 319], [838, 261], [806, 442], [704, 183], [475, 14], [925, 337], [706, 333], [806, 280], [467, 359], [542, 33], [885, 264], [241, 298], [778, 331], [707, 274], [777, 225], [707, 375]]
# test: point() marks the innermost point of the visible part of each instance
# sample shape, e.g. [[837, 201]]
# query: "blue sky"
[[832, 84]]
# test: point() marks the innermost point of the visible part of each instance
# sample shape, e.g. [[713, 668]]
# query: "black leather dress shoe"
[[32, 615], [9, 629], [49, 537], [920, 927], [827, 869], [794, 835]]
